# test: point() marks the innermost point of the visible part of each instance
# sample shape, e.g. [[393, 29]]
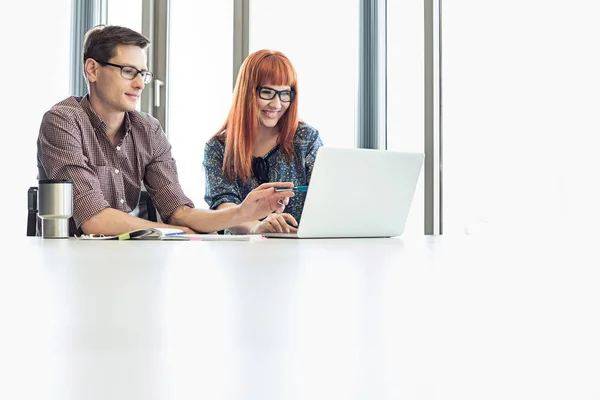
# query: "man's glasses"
[[267, 93], [130, 73]]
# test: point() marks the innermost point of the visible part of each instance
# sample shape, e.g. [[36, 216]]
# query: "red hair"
[[239, 131]]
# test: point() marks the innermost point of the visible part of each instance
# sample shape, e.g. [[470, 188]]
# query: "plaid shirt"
[[73, 144]]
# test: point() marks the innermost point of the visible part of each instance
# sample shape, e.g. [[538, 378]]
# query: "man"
[[108, 149]]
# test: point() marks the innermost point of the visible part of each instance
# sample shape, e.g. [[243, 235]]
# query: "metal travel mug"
[[55, 202]]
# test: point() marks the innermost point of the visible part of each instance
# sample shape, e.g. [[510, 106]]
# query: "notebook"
[[358, 193], [138, 234], [171, 234]]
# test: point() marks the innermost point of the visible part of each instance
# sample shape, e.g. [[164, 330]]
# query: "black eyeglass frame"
[[292, 93], [144, 74]]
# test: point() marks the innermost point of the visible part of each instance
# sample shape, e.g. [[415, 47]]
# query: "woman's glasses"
[[267, 93]]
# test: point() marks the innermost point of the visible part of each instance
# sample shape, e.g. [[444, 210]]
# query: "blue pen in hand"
[[297, 189]]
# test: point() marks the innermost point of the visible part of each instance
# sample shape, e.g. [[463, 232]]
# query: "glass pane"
[[405, 81], [125, 13], [35, 76], [520, 86], [323, 46], [200, 84]]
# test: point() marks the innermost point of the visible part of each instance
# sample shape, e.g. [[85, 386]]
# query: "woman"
[[261, 141]]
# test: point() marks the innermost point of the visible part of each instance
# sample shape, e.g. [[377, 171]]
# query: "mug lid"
[[55, 181]]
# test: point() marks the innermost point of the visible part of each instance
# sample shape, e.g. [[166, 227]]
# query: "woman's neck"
[[266, 139]]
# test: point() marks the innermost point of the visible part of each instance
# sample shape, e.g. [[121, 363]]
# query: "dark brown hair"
[[101, 41]]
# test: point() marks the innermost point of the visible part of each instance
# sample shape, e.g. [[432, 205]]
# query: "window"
[[125, 13], [405, 82], [323, 46], [520, 86], [200, 84], [31, 92]]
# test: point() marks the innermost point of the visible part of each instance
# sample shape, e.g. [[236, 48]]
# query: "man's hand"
[[276, 223], [263, 200], [186, 229]]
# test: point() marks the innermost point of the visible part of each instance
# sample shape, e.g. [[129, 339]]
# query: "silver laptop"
[[355, 193]]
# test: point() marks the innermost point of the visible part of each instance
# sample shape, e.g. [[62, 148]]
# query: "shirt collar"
[[94, 118], [97, 122]]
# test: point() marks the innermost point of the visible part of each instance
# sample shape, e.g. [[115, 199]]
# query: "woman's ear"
[[91, 70]]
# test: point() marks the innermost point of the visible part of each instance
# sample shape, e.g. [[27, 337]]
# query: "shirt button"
[[118, 148], [116, 171], [122, 201]]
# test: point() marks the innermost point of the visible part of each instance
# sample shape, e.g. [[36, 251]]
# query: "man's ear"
[[91, 69]]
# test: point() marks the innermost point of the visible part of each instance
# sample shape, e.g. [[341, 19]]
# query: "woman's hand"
[[264, 200], [281, 223]]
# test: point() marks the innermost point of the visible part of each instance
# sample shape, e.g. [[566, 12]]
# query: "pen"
[[298, 189]]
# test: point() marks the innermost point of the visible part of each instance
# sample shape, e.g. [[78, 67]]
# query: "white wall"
[[35, 75]]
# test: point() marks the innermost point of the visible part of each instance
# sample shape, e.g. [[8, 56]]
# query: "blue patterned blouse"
[[220, 190]]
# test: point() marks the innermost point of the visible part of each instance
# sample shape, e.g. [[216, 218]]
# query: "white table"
[[414, 318]]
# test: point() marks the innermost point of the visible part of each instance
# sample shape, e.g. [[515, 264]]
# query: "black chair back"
[[32, 210]]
